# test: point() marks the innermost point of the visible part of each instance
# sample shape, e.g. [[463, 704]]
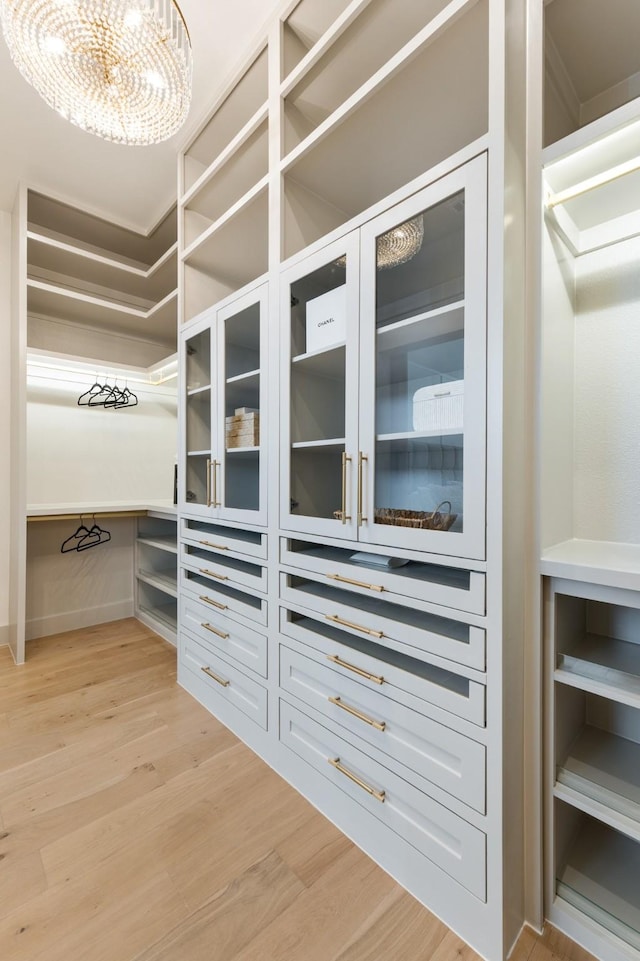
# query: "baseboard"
[[72, 620], [4, 634]]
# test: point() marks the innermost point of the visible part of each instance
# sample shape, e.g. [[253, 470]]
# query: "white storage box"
[[327, 319], [439, 407]]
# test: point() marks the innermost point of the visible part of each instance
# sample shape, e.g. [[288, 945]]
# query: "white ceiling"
[[132, 185]]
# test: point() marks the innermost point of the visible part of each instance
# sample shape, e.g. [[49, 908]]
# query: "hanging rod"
[[592, 183]]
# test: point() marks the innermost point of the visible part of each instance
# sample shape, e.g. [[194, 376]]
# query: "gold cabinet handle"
[[215, 502], [208, 482], [361, 518], [214, 630], [207, 600], [335, 762], [343, 513], [376, 678], [218, 547], [349, 580], [379, 725], [218, 577], [214, 677], [355, 627]]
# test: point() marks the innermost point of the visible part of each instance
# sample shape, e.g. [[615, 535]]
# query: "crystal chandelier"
[[120, 69], [399, 245]]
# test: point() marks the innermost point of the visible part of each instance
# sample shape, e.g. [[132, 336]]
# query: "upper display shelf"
[[592, 180]]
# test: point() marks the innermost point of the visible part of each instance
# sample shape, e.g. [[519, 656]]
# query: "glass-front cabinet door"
[[421, 456], [224, 393], [238, 477], [197, 421], [319, 391], [384, 377]]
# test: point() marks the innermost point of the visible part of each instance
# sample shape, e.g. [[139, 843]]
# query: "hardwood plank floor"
[[130, 830]]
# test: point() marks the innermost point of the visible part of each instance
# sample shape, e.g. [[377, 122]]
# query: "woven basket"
[[436, 520]]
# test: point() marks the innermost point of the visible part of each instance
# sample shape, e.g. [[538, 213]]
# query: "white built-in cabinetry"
[[95, 302], [589, 527], [380, 690], [156, 573]]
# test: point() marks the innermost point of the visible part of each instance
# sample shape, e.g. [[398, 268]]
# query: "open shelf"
[[593, 182], [141, 318], [365, 149], [222, 261], [307, 25], [232, 182], [369, 46], [233, 113], [165, 581], [599, 877], [605, 768], [165, 615], [161, 542], [613, 666]]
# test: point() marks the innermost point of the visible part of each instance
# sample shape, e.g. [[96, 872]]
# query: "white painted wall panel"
[[607, 394]]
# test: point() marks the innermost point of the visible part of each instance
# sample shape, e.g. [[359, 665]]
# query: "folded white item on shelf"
[[362, 557]]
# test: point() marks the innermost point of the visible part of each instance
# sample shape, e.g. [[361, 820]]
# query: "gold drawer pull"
[[335, 762], [355, 627], [214, 630], [218, 547], [207, 600], [218, 577], [214, 677], [376, 678], [379, 725], [349, 580]]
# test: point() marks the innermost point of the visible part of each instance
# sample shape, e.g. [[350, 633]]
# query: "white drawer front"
[[406, 678], [226, 570], [415, 583], [440, 755], [249, 543], [220, 634], [225, 682], [225, 599], [450, 639], [447, 840]]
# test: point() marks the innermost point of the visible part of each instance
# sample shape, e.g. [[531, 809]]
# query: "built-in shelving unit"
[[589, 517], [333, 564], [156, 573]]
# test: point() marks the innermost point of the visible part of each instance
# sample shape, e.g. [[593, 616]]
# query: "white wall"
[[80, 455], [607, 396], [5, 394]]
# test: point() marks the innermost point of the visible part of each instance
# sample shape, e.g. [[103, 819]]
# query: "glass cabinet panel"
[[197, 417], [320, 396], [223, 401], [240, 387], [384, 382], [423, 335]]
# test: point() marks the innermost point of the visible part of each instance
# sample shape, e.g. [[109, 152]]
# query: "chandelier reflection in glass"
[[120, 69], [399, 245]]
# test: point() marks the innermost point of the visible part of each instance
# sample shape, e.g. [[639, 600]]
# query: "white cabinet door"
[[423, 362], [223, 386], [319, 391], [197, 415], [238, 474]]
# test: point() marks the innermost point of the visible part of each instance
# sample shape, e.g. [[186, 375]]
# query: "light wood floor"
[[134, 826]]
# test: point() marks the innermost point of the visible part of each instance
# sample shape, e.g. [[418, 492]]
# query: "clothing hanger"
[[96, 535], [98, 399], [71, 543], [93, 390]]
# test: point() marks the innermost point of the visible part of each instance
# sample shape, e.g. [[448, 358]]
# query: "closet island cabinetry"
[[346, 522]]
